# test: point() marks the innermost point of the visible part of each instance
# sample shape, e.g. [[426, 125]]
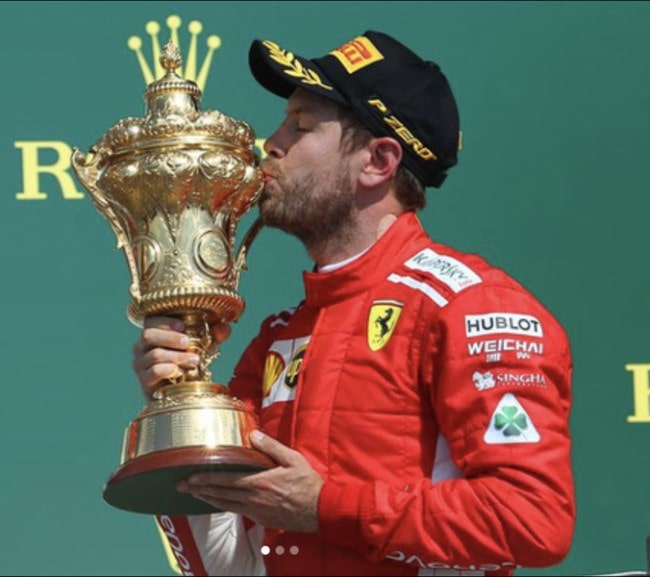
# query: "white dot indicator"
[[265, 550], [294, 550], [279, 550]]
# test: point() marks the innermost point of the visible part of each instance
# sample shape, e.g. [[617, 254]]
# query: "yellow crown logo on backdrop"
[[189, 70]]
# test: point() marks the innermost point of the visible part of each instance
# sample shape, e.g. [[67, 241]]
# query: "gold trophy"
[[173, 186]]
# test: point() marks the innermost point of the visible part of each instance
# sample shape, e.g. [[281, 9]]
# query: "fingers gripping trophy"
[[173, 186]]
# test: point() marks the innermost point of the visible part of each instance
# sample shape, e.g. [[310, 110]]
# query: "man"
[[417, 400]]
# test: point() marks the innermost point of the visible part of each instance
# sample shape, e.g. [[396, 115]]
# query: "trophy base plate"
[[148, 484]]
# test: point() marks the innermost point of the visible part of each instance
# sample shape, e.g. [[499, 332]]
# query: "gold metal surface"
[[194, 419], [173, 186]]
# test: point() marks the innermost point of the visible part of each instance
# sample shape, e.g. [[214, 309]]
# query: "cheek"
[[313, 152]]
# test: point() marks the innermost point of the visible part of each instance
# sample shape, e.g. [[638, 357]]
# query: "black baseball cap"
[[389, 88]]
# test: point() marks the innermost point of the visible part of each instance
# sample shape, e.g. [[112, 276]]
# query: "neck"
[[359, 236]]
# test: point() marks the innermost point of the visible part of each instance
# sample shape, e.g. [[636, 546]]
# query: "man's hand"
[[162, 351], [285, 497]]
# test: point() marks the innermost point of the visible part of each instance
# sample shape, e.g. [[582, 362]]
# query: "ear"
[[382, 161]]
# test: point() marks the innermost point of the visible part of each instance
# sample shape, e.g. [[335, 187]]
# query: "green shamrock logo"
[[510, 421]]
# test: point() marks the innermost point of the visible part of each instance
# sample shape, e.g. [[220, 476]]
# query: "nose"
[[274, 145]]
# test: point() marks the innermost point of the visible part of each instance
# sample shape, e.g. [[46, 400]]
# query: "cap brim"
[[281, 72]]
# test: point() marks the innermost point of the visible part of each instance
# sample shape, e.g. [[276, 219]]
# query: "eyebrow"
[[299, 109]]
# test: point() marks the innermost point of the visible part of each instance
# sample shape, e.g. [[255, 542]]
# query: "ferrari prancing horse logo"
[[381, 322]]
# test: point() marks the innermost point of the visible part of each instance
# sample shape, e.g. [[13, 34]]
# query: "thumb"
[[280, 453]]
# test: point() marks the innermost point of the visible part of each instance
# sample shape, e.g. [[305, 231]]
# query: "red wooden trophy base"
[[148, 484]]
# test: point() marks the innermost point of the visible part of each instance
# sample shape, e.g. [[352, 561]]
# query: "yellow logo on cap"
[[404, 133], [381, 322], [357, 54], [293, 66]]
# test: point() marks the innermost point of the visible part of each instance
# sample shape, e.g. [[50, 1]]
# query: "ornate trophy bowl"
[[173, 185]]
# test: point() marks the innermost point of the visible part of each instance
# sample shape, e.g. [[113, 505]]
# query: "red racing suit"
[[431, 391]]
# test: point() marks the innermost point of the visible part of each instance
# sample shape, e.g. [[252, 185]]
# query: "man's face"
[[308, 188]]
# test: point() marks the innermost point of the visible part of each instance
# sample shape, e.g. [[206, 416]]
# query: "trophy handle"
[[251, 234], [87, 170]]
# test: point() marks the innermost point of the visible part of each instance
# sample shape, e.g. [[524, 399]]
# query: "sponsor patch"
[[382, 320], [524, 349], [483, 381], [281, 370], [510, 423], [489, 380], [446, 269], [510, 323], [293, 370], [357, 54], [273, 368], [445, 569]]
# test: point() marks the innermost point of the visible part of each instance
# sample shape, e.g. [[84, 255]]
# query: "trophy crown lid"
[[172, 93], [170, 58], [172, 116]]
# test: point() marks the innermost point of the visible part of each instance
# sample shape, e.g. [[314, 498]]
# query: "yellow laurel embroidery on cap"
[[382, 320], [293, 67]]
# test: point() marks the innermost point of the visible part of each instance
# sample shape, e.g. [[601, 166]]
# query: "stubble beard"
[[315, 209]]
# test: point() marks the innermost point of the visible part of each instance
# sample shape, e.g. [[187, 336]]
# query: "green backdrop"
[[552, 185]]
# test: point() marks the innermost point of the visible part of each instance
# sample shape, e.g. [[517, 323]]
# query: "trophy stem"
[[202, 343]]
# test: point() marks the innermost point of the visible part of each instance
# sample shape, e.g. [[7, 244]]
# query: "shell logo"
[[273, 367]]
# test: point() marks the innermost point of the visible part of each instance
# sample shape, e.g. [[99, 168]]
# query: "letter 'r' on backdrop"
[[552, 185]]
